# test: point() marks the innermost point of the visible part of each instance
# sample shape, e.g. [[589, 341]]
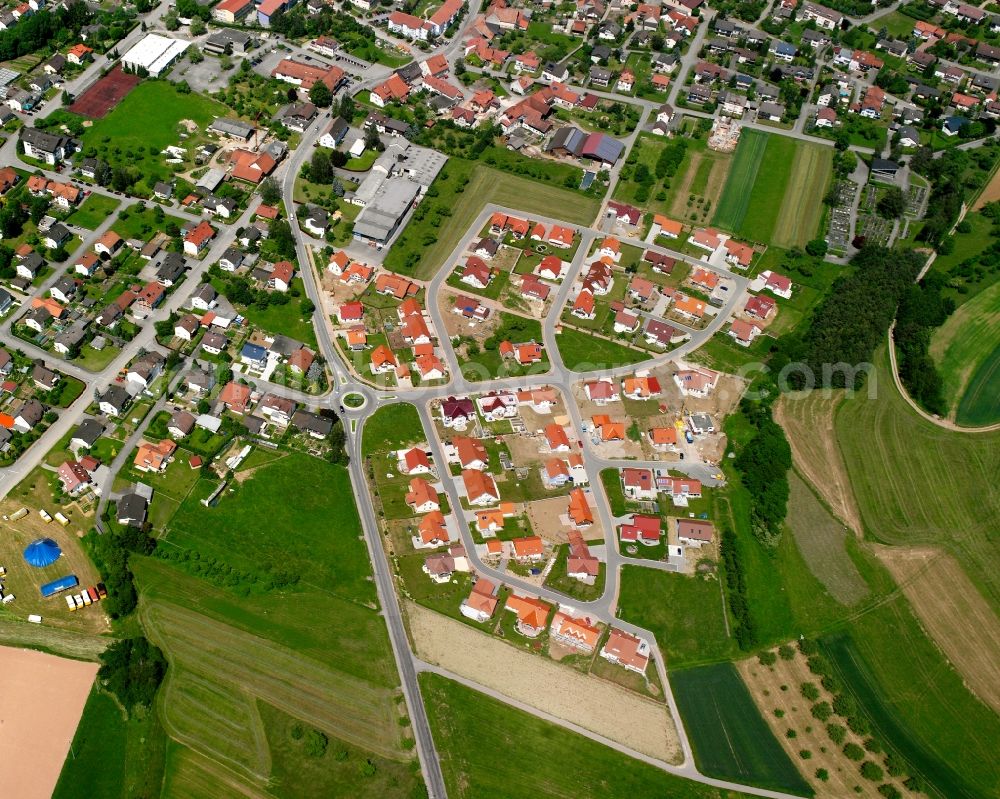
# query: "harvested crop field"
[[43, 699], [953, 612], [809, 426], [802, 206], [610, 710], [104, 95], [821, 540]]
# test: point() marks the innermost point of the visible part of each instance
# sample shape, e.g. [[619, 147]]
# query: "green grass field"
[[233, 658], [146, 120], [93, 211], [296, 515], [966, 349], [687, 617], [768, 195], [917, 701], [980, 404], [732, 208], [729, 738], [543, 760], [112, 756], [916, 483], [391, 427], [583, 353], [432, 245]]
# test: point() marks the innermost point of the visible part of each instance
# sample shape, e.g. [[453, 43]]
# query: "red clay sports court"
[[105, 94]]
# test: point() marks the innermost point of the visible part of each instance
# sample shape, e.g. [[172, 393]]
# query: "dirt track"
[[43, 699], [597, 705], [955, 614]]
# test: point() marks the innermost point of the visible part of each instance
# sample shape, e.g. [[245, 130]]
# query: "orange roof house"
[[49, 305], [235, 396], [556, 437], [250, 166], [579, 509], [532, 614], [578, 633], [422, 496], [689, 306], [668, 227], [432, 530], [610, 430], [154, 457], [528, 548]]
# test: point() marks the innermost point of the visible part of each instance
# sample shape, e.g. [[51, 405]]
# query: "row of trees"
[[745, 630], [763, 463], [922, 309]]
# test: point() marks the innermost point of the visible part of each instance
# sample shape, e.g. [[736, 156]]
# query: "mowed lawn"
[[916, 483], [470, 729], [729, 737], [732, 208], [296, 515], [802, 206], [93, 211], [582, 352], [651, 598], [486, 185], [392, 427], [966, 349]]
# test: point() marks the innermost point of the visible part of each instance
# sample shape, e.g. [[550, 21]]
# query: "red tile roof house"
[[534, 289], [236, 397], [350, 313], [698, 382], [579, 634], [642, 529], [476, 273], [73, 477], [638, 483], [626, 650], [198, 237], [695, 532], [431, 531], [579, 508], [529, 549], [414, 461], [281, 275], [556, 438], [532, 614], [743, 332], [469, 453], [422, 497], [481, 603], [778, 285], [479, 487], [602, 391], [759, 307], [580, 564], [584, 307]]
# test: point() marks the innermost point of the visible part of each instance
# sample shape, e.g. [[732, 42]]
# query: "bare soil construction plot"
[[955, 614], [765, 686], [42, 701], [609, 710], [808, 423], [821, 540]]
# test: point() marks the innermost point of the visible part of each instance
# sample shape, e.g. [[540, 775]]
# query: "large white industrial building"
[[154, 53]]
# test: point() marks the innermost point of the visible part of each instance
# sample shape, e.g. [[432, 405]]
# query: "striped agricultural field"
[[802, 207], [732, 208]]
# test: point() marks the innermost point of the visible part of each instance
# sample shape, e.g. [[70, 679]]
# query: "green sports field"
[[774, 192], [490, 749], [729, 737]]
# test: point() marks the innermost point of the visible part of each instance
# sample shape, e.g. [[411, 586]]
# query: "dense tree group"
[[132, 669]]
